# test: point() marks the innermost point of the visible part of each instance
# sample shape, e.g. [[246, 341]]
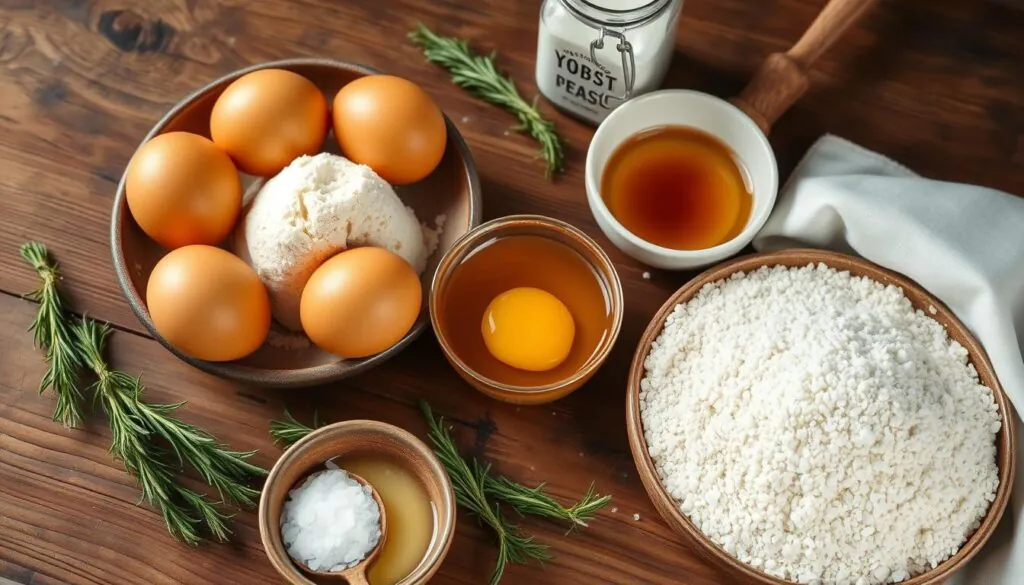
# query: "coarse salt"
[[818, 428], [330, 522]]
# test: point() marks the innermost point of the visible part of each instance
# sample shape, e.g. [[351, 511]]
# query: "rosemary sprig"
[[52, 334], [184, 511], [288, 431], [469, 482], [479, 75], [536, 501], [147, 438], [135, 425]]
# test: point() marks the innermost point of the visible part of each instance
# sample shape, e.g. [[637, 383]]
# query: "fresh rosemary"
[[53, 335], [469, 480], [536, 502], [481, 493], [479, 75], [288, 431], [136, 425]]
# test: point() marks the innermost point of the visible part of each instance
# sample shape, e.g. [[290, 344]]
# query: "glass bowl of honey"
[[526, 308]]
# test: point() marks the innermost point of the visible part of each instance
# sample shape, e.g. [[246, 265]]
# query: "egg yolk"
[[529, 329]]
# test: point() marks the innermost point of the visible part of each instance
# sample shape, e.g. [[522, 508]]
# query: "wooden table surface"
[[937, 86]]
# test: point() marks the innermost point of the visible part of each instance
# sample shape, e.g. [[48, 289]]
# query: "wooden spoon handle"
[[782, 78], [357, 578]]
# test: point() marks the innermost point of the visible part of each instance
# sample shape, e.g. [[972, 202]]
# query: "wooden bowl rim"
[[681, 524], [278, 378], [445, 510]]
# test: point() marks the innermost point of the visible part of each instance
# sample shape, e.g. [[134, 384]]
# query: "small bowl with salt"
[[325, 509]]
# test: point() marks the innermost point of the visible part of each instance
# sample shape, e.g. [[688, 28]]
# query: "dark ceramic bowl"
[[452, 190]]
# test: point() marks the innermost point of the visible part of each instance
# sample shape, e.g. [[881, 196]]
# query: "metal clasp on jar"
[[628, 63]]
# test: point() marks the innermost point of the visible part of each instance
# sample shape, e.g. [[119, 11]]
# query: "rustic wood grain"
[[938, 86], [69, 513]]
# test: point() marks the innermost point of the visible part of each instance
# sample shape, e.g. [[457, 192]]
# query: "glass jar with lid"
[[593, 55]]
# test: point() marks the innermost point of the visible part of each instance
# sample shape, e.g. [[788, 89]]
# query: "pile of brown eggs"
[[185, 192]]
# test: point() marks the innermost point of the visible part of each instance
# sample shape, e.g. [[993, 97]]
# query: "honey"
[[409, 511], [677, 187], [524, 261]]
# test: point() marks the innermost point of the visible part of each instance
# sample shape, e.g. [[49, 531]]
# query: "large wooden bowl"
[[669, 508], [452, 190]]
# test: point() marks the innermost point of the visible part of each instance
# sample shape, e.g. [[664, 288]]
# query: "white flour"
[[818, 428], [314, 208]]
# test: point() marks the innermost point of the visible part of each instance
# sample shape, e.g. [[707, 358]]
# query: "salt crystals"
[[330, 522]]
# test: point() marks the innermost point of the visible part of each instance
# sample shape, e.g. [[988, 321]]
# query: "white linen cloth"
[[963, 243]]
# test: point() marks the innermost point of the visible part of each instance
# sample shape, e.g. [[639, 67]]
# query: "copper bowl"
[[562, 233], [452, 190], [669, 509], [357, 437]]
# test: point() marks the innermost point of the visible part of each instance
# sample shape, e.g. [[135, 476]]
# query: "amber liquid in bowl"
[[524, 261], [409, 510], [677, 187]]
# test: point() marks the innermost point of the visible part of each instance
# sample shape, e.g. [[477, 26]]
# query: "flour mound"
[[316, 207], [819, 428]]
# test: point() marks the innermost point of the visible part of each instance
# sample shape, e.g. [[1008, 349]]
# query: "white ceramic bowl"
[[678, 107]]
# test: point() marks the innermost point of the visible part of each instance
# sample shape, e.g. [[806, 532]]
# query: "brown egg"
[[208, 303], [391, 125], [182, 189], [360, 302], [268, 118]]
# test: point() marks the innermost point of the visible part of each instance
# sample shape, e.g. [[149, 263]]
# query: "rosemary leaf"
[[537, 502], [51, 334], [288, 431]]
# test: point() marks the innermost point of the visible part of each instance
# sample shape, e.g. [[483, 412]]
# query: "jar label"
[[569, 78]]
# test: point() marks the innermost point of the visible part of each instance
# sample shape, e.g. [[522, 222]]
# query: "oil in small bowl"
[[410, 515], [677, 187]]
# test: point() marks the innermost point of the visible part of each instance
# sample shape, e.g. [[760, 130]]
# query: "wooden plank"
[[70, 512]]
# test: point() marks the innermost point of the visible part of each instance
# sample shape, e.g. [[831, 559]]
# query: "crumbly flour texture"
[[819, 428], [316, 207]]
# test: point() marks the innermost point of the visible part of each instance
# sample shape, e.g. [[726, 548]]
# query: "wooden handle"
[[357, 578], [782, 78]]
